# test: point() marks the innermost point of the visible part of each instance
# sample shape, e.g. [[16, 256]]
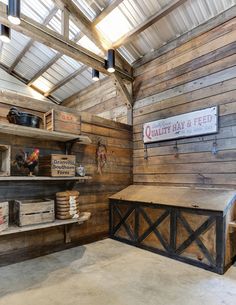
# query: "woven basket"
[[67, 205]]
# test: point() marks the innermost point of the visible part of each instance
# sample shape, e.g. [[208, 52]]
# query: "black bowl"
[[23, 118]]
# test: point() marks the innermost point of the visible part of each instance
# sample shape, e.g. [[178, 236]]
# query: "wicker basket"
[[67, 205]]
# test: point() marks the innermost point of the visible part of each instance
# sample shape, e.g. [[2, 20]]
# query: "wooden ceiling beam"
[[65, 23], [106, 11], [44, 69], [88, 28], [128, 100], [83, 23], [66, 80], [31, 41], [48, 65], [149, 22], [56, 41]]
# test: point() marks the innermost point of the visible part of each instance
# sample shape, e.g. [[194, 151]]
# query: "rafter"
[[83, 23], [56, 41], [123, 91], [89, 29], [104, 13], [66, 80], [65, 23], [146, 24], [107, 10], [30, 43], [44, 68], [49, 64]]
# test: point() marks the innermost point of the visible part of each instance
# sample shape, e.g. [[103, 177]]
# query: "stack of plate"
[[67, 205]]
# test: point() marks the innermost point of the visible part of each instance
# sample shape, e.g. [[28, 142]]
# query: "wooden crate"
[[5, 160], [55, 120], [57, 165], [4, 218], [37, 211]]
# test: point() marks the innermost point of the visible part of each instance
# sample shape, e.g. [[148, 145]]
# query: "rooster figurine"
[[26, 160]]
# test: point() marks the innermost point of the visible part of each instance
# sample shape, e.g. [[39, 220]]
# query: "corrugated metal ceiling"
[[132, 12]]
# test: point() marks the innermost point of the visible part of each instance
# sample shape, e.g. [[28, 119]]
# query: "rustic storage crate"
[[189, 225], [4, 218], [55, 120], [57, 165], [32, 212], [5, 160]]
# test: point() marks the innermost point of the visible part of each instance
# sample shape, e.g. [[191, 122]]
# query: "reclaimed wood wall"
[[198, 74], [94, 194], [103, 99]]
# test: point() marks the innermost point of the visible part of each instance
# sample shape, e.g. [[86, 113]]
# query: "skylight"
[[88, 44], [114, 25], [42, 84]]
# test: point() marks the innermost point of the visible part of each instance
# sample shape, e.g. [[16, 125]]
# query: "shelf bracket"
[[67, 230], [69, 145]]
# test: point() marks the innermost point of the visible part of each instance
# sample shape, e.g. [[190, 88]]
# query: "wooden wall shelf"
[[40, 178], [13, 229], [37, 133]]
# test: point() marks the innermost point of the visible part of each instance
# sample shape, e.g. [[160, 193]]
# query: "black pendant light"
[[14, 11], [5, 33], [111, 61], [95, 75]]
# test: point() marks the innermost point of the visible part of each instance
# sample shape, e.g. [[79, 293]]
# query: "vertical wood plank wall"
[[103, 99], [94, 194], [198, 74]]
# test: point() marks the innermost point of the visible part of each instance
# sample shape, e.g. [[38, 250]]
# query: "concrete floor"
[[112, 273]]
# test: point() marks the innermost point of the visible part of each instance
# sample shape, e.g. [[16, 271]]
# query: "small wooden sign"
[[190, 124]]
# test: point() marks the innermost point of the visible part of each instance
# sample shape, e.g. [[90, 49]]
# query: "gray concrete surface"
[[112, 273]]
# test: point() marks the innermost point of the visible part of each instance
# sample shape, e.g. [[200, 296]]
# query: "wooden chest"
[[4, 216], [5, 160], [57, 165], [60, 121], [189, 225], [30, 212]]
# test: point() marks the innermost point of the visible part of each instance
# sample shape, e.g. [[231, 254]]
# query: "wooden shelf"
[[38, 133], [40, 178], [15, 229]]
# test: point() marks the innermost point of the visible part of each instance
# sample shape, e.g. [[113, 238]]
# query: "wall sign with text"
[[190, 124]]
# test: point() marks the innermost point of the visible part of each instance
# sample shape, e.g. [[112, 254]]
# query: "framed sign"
[[190, 124]]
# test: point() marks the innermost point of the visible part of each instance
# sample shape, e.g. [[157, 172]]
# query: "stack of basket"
[[67, 205]]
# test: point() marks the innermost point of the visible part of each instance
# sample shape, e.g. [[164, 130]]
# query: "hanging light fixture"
[[110, 61], [5, 33], [95, 75], [14, 11]]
